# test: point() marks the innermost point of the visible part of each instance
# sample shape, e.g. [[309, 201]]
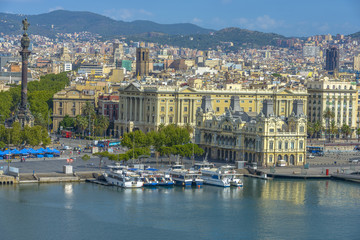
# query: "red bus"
[[66, 134]]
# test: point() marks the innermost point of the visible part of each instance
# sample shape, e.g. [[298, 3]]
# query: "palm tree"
[[81, 123], [317, 127], [333, 128], [310, 130], [328, 115], [358, 133], [346, 130], [102, 123], [88, 109]]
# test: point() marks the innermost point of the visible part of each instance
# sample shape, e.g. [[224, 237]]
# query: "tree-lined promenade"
[[168, 140]]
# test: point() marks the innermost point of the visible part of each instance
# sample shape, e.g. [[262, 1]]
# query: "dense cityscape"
[[117, 112]]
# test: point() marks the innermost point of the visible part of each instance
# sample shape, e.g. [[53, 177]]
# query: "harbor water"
[[276, 209]]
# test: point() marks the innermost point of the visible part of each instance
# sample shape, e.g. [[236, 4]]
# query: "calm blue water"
[[259, 210]]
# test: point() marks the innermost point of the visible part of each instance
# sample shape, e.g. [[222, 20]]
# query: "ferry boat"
[[123, 178], [202, 166], [224, 176], [179, 174]]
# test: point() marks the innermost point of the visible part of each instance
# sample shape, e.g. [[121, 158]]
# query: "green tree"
[[317, 127], [15, 134], [328, 115], [358, 133], [101, 124], [310, 129], [88, 109], [67, 122], [81, 123], [85, 158], [345, 130], [45, 138], [333, 129]]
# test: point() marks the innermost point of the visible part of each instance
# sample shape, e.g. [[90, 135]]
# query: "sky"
[[298, 18]]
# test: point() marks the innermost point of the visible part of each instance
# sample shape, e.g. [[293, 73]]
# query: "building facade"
[[147, 107], [339, 97], [69, 102], [264, 139]]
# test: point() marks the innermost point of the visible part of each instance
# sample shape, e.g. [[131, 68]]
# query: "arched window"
[[302, 129], [280, 145]]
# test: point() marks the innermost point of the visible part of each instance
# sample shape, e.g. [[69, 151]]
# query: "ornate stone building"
[[146, 107], [265, 138]]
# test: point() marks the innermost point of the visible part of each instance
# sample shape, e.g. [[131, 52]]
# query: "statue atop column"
[[23, 114]]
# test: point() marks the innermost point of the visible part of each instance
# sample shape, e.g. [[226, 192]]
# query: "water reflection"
[[292, 191]]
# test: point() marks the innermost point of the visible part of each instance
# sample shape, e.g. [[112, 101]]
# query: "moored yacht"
[[224, 176], [123, 178], [179, 174]]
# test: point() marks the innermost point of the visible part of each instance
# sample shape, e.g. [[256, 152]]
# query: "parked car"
[[310, 156], [65, 148], [354, 160]]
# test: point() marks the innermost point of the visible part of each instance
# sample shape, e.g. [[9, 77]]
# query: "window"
[[302, 129], [60, 112], [271, 130], [217, 101], [162, 120], [271, 145], [280, 145], [60, 104], [153, 119], [225, 108], [300, 158], [171, 109], [73, 111], [250, 109], [74, 104], [153, 108], [163, 109], [170, 119], [301, 144], [282, 109], [292, 145], [148, 108], [185, 109], [217, 109], [270, 158], [185, 119], [250, 101], [286, 145]]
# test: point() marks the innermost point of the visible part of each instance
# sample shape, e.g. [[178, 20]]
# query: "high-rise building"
[[142, 62], [357, 62], [118, 53], [332, 59]]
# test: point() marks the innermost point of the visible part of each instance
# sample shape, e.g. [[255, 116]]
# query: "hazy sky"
[[287, 17]]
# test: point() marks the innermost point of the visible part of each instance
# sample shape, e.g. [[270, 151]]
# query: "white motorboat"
[[224, 176], [123, 178]]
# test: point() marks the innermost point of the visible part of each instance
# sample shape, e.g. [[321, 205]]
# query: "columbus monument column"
[[24, 115]]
